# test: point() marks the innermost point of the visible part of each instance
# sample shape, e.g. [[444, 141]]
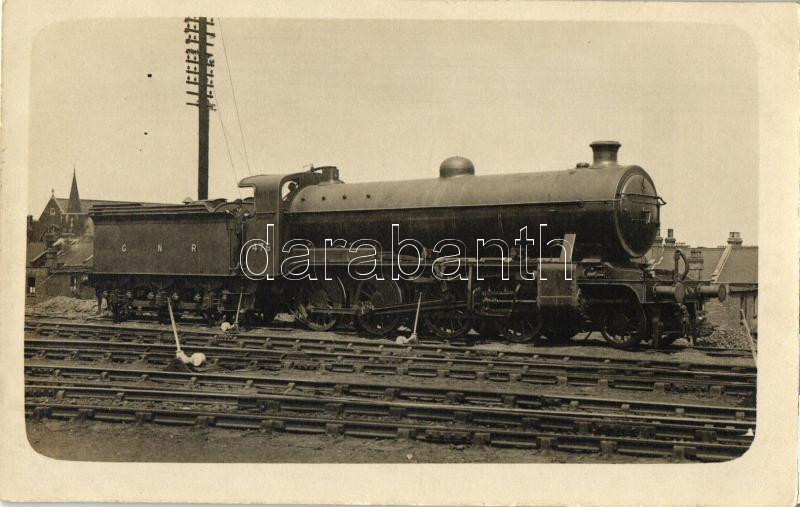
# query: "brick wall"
[[39, 275], [725, 314], [58, 285]]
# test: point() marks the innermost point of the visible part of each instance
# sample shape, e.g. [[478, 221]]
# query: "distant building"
[[60, 270], [64, 217], [60, 247], [35, 269], [733, 264]]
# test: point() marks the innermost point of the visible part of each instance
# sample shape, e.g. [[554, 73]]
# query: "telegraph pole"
[[200, 74]]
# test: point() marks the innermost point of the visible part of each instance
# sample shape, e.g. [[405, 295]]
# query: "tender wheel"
[[446, 324], [230, 317], [319, 294], [163, 316], [120, 312], [213, 317], [374, 294], [520, 328], [623, 327]]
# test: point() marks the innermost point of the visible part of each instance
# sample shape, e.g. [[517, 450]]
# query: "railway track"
[[290, 342], [546, 423], [99, 376], [123, 381], [468, 341], [582, 443], [278, 334], [677, 377]]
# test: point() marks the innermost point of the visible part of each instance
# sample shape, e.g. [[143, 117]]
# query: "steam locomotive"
[[524, 255]]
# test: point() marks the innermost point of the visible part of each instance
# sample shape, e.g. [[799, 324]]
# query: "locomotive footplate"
[[424, 306]]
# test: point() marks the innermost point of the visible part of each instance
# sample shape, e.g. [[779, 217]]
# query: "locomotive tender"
[[591, 227]]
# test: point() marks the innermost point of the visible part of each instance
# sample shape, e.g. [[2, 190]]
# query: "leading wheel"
[[319, 295], [372, 295], [624, 326]]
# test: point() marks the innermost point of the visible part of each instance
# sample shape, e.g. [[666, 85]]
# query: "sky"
[[389, 100]]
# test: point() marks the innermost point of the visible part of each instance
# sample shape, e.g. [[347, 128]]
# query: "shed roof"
[[33, 250], [78, 253], [86, 204], [741, 266]]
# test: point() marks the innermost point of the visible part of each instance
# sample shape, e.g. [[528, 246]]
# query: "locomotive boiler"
[[612, 209], [299, 244]]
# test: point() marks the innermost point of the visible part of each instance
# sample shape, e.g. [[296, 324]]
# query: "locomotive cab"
[[265, 228]]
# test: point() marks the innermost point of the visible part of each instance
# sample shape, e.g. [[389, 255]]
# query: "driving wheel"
[[372, 295]]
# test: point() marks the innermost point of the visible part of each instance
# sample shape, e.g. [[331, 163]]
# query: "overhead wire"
[[228, 148], [233, 92]]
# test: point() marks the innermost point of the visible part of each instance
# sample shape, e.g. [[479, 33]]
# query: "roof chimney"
[[696, 263], [658, 240], [670, 240], [735, 239], [605, 152]]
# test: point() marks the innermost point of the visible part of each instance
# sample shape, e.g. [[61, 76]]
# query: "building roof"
[[86, 204], [77, 253], [33, 250], [740, 266], [74, 205], [667, 257], [711, 257]]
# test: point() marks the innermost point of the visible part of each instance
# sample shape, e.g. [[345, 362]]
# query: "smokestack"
[[605, 152], [735, 239], [670, 240]]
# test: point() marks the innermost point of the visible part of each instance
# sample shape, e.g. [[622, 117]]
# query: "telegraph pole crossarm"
[[200, 74]]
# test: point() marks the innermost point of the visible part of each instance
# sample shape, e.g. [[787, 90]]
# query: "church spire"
[[74, 205]]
